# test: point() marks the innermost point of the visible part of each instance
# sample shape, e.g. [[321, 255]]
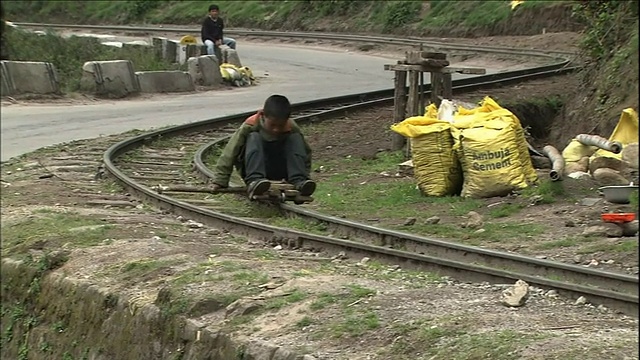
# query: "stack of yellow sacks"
[[480, 152]]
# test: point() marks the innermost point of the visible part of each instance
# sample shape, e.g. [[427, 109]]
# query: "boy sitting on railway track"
[[267, 146]]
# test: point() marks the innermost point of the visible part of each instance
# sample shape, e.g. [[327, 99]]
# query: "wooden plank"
[[436, 88], [413, 104], [434, 55], [399, 103], [449, 70], [419, 58], [431, 63], [447, 91]]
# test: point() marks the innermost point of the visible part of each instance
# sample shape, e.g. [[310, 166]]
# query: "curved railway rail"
[[170, 155]]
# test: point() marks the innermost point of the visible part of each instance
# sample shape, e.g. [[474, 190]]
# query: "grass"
[[451, 337], [69, 54], [546, 191], [353, 321], [140, 268], [56, 229], [372, 16]]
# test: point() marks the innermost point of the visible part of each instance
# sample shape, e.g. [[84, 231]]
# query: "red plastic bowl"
[[618, 218]]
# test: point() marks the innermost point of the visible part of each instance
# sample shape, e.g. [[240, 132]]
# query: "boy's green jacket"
[[233, 153]]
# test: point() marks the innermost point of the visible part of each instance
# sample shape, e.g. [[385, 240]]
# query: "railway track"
[[167, 157]]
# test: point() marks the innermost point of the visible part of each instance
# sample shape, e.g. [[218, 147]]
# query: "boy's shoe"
[[258, 187], [306, 188]]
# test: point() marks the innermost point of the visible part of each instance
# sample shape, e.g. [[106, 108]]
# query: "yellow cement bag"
[[626, 132], [489, 110], [435, 164], [576, 151], [238, 76], [490, 159]]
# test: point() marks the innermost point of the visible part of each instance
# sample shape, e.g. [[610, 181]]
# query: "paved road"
[[302, 74]]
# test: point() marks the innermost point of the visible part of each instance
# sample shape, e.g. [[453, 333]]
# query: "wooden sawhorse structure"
[[416, 63]]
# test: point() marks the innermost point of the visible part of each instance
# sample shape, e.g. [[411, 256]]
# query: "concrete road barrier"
[[165, 81], [186, 51], [112, 79], [231, 56], [28, 77], [205, 70]]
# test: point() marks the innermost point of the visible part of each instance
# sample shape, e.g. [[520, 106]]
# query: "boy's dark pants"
[[275, 160]]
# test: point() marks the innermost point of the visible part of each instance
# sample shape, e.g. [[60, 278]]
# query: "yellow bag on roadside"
[[490, 158], [435, 166], [489, 110]]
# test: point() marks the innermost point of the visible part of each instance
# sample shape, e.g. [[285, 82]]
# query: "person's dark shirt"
[[212, 30]]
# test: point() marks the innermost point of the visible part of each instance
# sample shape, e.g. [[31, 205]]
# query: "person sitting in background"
[[267, 146], [212, 31]]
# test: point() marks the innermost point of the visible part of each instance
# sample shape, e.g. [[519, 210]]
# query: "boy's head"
[[213, 11], [276, 112]]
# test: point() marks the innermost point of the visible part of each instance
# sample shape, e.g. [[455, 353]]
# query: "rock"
[[608, 177], [589, 201], [630, 228], [613, 230], [581, 300], [205, 306], [569, 223], [515, 296], [410, 221], [602, 162], [57, 258], [593, 262], [540, 162], [243, 307], [630, 155], [480, 231], [552, 293], [578, 166], [259, 350], [579, 175], [309, 357], [341, 255], [191, 329], [432, 220], [364, 261], [597, 230], [474, 220], [577, 259], [284, 354]]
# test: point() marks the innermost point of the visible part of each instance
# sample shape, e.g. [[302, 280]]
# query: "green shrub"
[[609, 24], [69, 54], [400, 13]]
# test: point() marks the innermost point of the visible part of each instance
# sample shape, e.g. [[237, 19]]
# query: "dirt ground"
[[315, 303], [321, 304]]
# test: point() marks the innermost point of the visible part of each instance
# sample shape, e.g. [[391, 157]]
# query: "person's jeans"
[[274, 160], [225, 41]]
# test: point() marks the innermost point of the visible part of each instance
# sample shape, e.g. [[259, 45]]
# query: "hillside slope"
[[436, 18]]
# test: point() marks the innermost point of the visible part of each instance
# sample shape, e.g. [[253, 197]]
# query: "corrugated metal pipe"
[[600, 142], [557, 162]]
